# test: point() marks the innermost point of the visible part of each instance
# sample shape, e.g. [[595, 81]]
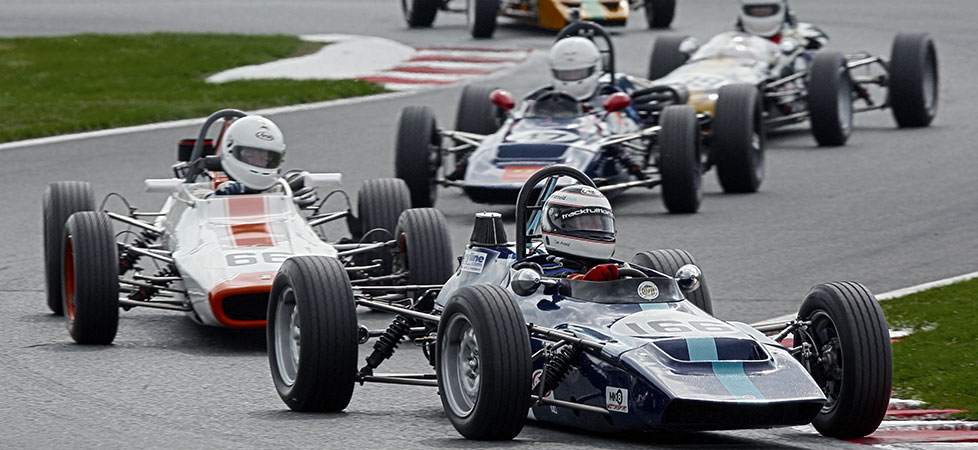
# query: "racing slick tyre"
[[426, 246], [666, 55], [476, 113], [90, 268], [851, 359], [417, 156], [483, 364], [312, 334], [830, 99], [420, 13], [61, 200], [668, 262], [679, 159], [737, 146], [481, 17], [659, 13], [913, 80], [380, 203]]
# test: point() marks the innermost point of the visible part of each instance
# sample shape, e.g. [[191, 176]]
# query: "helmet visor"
[[591, 222], [761, 10], [258, 157], [573, 74]]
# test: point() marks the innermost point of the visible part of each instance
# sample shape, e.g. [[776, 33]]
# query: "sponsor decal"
[[518, 173], [587, 190], [473, 261], [616, 399], [580, 211], [648, 290], [264, 134]]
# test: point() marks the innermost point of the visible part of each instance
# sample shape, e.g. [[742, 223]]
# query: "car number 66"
[[248, 258]]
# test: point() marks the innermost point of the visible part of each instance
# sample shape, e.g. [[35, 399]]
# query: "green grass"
[[938, 363], [56, 85]]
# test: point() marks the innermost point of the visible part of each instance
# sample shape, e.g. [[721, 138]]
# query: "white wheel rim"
[[461, 366], [287, 334]]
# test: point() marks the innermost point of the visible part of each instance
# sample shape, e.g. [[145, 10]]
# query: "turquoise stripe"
[[648, 306], [702, 349], [593, 8], [732, 375]]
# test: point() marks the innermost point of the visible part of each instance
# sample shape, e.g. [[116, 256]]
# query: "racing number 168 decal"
[[248, 258], [678, 327]]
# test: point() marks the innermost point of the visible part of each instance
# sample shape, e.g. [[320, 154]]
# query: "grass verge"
[[938, 363], [65, 84]]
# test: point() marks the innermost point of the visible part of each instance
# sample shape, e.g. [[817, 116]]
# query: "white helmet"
[[578, 222], [575, 66], [763, 18], [253, 151]]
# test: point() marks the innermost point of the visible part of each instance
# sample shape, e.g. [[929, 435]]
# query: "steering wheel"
[[592, 31], [527, 215], [197, 161]]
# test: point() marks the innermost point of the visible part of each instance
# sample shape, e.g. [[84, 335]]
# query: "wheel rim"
[[68, 298], [845, 103], [825, 365], [461, 366], [930, 83], [287, 336]]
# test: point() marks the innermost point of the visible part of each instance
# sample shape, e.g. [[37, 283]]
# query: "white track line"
[[886, 295]]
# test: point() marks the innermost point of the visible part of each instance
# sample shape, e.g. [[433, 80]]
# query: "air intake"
[[488, 230]]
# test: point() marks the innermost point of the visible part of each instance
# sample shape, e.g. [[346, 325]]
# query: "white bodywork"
[[227, 246]]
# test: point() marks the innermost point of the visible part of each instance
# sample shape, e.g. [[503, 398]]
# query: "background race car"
[[214, 257], [642, 352], [549, 14], [797, 83]]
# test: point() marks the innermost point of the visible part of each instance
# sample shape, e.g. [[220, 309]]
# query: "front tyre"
[[737, 146], [419, 13], [483, 363], [481, 15], [61, 200], [679, 159], [659, 13], [89, 267], [830, 99], [913, 80], [669, 261], [312, 334], [851, 358], [667, 55], [417, 155]]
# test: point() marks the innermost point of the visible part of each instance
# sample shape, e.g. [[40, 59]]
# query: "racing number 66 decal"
[[248, 258]]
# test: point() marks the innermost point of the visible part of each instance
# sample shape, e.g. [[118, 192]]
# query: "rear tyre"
[[738, 139], [312, 334], [913, 80], [830, 99], [483, 363], [380, 203], [679, 159], [90, 270], [668, 262], [61, 200], [419, 13], [666, 56], [659, 13], [849, 335], [426, 246], [417, 156], [481, 15]]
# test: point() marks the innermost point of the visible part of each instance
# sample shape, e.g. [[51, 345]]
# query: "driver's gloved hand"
[[600, 272], [230, 188]]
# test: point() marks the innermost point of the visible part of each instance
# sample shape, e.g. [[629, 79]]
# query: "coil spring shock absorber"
[[148, 291], [128, 259], [387, 343], [558, 365]]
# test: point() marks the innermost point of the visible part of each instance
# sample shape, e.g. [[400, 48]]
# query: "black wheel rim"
[[825, 364]]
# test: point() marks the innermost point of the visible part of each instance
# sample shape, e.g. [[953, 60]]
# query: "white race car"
[[215, 256]]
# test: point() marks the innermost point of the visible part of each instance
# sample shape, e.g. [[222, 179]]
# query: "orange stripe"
[[249, 234]]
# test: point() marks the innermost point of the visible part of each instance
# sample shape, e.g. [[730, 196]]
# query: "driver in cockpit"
[[251, 155], [579, 234], [773, 20]]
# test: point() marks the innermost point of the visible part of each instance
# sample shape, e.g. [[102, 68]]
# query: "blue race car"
[[508, 340], [631, 134]]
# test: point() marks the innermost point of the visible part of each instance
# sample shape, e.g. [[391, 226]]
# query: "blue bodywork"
[[665, 364]]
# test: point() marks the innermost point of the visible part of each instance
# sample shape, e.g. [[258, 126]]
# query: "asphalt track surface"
[[892, 208]]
